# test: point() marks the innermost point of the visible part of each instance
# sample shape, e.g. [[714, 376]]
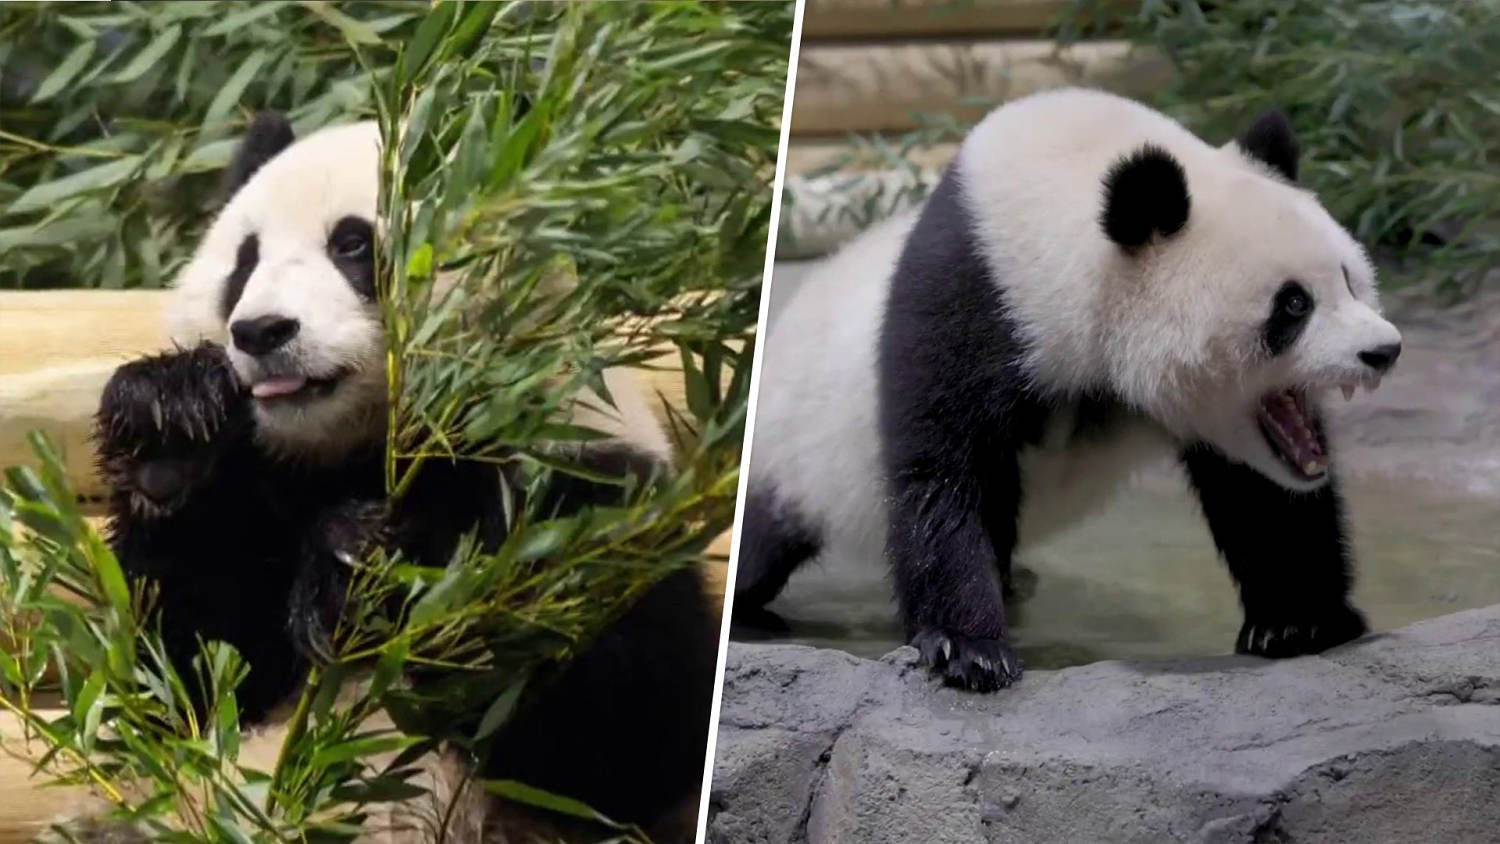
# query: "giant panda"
[[1088, 287], [245, 469]]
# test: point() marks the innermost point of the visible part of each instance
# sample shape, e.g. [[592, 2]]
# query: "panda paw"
[[163, 421], [1276, 638], [980, 665], [341, 539]]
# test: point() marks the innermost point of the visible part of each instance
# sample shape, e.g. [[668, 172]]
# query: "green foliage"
[[116, 117], [567, 188], [1397, 105]]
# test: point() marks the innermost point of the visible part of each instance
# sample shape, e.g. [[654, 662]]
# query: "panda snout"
[[1381, 358], [264, 334]]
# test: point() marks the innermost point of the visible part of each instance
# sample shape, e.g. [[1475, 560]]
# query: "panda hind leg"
[[775, 539], [624, 726]]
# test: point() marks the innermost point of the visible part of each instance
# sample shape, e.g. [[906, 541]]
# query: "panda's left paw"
[[350, 531], [1308, 633], [341, 538]]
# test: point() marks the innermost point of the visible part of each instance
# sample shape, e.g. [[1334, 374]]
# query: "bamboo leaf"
[[64, 72], [92, 179], [150, 55], [229, 96]]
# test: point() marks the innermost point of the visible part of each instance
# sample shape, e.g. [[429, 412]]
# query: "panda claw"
[[981, 665], [1300, 636]]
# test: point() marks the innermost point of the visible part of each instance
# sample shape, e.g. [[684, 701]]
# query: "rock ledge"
[[1394, 738]]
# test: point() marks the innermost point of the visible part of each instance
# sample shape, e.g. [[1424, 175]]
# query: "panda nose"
[[1381, 358], [263, 334]]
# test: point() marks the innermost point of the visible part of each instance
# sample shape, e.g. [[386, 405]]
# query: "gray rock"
[[1394, 738]]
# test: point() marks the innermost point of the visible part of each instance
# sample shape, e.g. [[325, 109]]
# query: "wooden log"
[[57, 348], [812, 156], [927, 18], [26, 808], [883, 87]]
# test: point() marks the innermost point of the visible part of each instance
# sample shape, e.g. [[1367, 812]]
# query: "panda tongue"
[[278, 386]]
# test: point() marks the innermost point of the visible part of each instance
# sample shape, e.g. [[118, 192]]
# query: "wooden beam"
[[806, 156], [908, 18], [26, 809], [57, 349], [864, 88]]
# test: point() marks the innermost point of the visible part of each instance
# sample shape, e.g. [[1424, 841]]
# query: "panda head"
[[1238, 305], [285, 281]]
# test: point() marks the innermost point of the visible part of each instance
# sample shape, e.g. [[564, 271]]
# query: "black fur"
[[1285, 323], [1145, 194], [351, 247], [954, 413], [1286, 550], [245, 260], [774, 540], [1271, 141], [251, 551], [267, 135]]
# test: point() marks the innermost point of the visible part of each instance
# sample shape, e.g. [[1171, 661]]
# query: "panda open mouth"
[[1294, 433], [295, 387]]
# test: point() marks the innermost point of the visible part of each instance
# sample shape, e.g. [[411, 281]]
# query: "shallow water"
[[1141, 578]]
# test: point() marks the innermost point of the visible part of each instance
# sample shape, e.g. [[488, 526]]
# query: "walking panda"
[[246, 469], [1090, 286]]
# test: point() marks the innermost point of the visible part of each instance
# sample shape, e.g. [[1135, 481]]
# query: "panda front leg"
[[1286, 550], [173, 438], [951, 538]]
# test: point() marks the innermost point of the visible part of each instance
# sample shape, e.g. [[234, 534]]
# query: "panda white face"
[[1197, 284], [1260, 305], [285, 280]]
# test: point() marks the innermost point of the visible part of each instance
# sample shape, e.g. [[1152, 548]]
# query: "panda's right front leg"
[[951, 535]]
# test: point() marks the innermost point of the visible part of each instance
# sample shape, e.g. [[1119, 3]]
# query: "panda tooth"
[[1310, 467], [1348, 391]]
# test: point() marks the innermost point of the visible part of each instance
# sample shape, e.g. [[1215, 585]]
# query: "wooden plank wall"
[[873, 67]]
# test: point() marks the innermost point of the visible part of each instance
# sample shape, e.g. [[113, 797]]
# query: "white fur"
[[816, 436], [1173, 330]]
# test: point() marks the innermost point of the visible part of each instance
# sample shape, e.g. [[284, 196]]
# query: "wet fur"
[[979, 373]]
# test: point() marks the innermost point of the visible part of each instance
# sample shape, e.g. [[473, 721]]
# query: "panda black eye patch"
[[351, 248], [1290, 308], [245, 260]]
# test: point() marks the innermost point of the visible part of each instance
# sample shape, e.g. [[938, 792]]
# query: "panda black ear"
[[268, 134], [1270, 140], [1145, 194]]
